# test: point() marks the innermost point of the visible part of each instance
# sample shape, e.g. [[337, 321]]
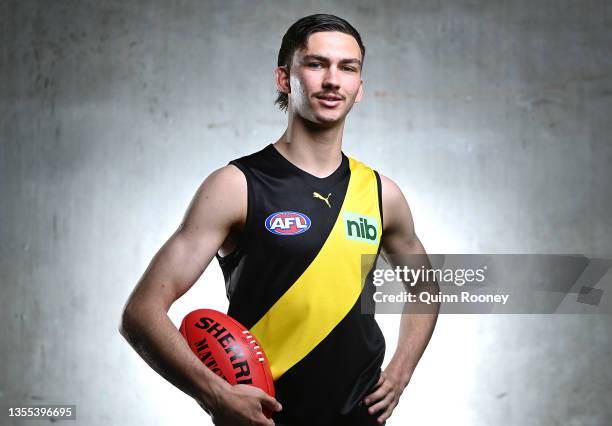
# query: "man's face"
[[325, 77]]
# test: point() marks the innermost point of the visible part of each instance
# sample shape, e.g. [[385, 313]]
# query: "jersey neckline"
[[326, 181]]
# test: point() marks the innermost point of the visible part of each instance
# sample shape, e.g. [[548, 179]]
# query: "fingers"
[[264, 421], [382, 404], [270, 403], [382, 401], [268, 406], [265, 400], [380, 379], [379, 393], [387, 413]]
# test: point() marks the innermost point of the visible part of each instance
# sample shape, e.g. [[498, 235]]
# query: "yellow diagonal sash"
[[329, 287]]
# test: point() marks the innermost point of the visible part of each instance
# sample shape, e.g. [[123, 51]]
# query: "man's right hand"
[[242, 405]]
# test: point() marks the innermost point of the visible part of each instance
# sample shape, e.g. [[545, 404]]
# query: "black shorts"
[[358, 417]]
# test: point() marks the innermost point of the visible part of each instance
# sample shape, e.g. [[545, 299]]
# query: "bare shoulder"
[[391, 192], [221, 199], [229, 177]]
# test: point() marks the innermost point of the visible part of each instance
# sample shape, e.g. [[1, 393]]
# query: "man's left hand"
[[385, 397]]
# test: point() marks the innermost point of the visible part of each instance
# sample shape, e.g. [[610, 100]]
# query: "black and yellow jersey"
[[295, 280]]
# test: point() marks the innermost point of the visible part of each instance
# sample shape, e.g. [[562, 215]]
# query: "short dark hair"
[[297, 35]]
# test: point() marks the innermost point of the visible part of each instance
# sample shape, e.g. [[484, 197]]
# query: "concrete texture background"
[[493, 117]]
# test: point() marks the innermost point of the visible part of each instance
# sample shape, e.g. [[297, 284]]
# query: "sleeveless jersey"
[[296, 280]]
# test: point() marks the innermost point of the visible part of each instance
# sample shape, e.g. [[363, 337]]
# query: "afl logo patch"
[[287, 223]]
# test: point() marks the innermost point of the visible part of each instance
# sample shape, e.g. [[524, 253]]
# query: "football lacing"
[[254, 345]]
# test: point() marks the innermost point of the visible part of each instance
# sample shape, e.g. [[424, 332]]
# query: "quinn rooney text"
[[428, 298]]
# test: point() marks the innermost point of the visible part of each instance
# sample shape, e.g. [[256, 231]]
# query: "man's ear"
[[281, 77], [359, 92]]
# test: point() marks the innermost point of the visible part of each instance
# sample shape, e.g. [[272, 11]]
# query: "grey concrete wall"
[[493, 116]]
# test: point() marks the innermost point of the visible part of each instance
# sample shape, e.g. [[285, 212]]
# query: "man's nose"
[[331, 79]]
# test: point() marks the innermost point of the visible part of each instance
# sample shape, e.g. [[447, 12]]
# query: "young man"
[[289, 225]]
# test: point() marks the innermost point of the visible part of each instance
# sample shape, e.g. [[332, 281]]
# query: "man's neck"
[[312, 148]]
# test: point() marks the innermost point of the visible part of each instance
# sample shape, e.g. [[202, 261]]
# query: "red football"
[[228, 348]]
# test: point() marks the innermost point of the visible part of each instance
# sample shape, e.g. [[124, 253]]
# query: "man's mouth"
[[330, 100], [330, 97]]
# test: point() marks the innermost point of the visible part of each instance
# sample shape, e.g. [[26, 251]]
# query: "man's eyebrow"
[[324, 59]]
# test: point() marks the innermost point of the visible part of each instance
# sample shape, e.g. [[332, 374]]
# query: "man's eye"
[[350, 69], [314, 64]]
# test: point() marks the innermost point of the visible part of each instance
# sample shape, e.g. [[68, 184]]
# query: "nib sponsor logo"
[[360, 228]]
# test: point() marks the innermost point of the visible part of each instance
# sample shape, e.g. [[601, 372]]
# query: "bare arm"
[[218, 206], [400, 243], [400, 239]]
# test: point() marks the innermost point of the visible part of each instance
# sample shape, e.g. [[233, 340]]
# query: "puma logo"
[[320, 197]]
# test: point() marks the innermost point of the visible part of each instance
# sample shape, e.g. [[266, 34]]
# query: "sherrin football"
[[228, 348]]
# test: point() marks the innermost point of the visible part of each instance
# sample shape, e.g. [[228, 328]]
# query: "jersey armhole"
[[240, 243], [380, 204]]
